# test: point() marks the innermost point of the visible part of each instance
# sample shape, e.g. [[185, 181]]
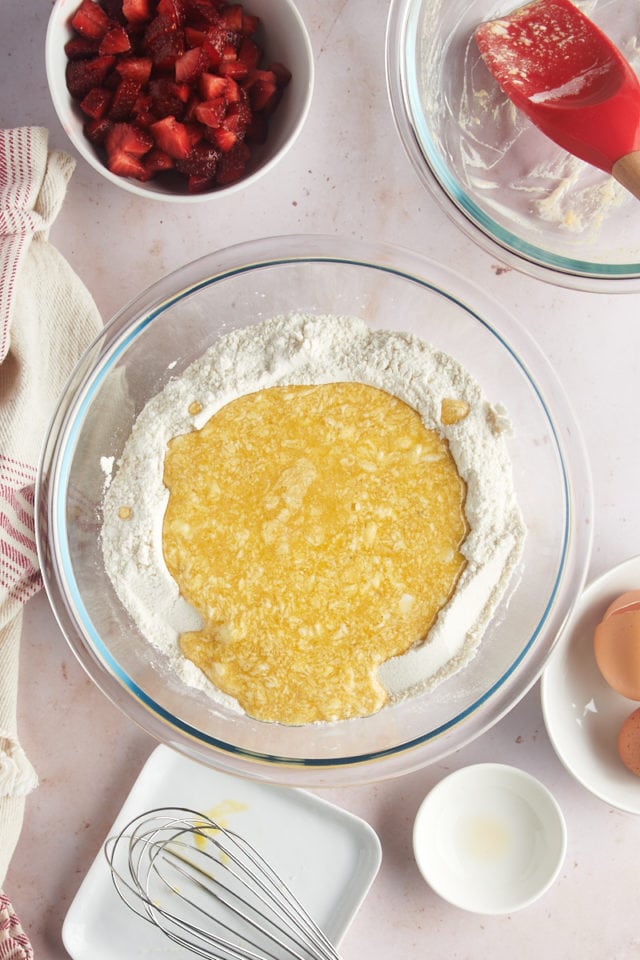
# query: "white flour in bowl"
[[302, 349]]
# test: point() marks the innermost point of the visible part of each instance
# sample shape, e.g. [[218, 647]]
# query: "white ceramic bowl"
[[284, 38], [153, 339], [582, 713], [489, 838], [506, 185]]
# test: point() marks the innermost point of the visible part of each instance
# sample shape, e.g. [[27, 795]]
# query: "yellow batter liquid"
[[317, 530]]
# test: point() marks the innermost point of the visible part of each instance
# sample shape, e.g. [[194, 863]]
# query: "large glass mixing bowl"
[[175, 321]]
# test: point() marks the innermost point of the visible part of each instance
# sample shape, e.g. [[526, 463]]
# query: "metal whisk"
[[209, 890]]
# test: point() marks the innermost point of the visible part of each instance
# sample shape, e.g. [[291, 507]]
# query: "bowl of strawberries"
[[179, 100]]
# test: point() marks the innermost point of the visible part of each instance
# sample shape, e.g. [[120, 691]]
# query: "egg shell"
[[626, 601], [617, 652], [629, 742]]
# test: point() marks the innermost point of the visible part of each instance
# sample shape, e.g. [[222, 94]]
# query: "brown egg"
[[617, 645], [629, 742]]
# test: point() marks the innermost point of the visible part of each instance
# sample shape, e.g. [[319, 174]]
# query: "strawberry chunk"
[[172, 11], [96, 130], [211, 112], [168, 98], [96, 103], [126, 144], [212, 86], [135, 68], [190, 65], [202, 162], [90, 20], [79, 48], [233, 164], [164, 43], [172, 137], [224, 138], [136, 11], [124, 99], [115, 40], [231, 17], [83, 75], [157, 161]]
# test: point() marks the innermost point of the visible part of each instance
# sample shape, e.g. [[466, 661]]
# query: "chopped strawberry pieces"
[[83, 75], [211, 112], [172, 137], [115, 40], [90, 20], [172, 88], [136, 11], [126, 144], [96, 103], [136, 68], [191, 65]]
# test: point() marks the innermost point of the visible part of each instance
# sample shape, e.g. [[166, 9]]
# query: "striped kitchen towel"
[[47, 319]]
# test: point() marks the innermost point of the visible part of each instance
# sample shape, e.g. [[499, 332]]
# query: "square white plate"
[[327, 856]]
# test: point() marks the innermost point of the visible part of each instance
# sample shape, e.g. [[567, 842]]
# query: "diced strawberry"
[[194, 37], [233, 92], [96, 130], [79, 48], [232, 17], [115, 40], [172, 11], [96, 103], [201, 162], [126, 144], [211, 112], [235, 69], [142, 111], [163, 43], [83, 75], [212, 86], [136, 11], [264, 92], [113, 9], [224, 138], [136, 68], [90, 20], [168, 98], [124, 99], [195, 132], [156, 161], [239, 116], [190, 65], [202, 13], [249, 52], [233, 164], [172, 137]]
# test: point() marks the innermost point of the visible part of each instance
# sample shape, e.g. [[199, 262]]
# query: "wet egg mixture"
[[317, 532]]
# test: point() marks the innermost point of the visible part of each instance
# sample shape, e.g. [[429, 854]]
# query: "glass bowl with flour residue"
[[507, 186], [414, 370]]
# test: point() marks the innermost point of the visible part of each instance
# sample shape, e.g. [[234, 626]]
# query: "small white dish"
[[489, 838], [582, 713], [327, 856]]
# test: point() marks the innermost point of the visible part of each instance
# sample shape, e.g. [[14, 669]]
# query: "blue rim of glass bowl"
[[60, 524], [422, 149]]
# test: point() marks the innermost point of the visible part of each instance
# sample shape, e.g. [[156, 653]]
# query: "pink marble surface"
[[346, 175]]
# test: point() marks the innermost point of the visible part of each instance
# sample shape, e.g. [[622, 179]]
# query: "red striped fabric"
[[19, 187], [14, 943]]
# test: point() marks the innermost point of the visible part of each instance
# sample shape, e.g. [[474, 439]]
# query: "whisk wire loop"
[[209, 890]]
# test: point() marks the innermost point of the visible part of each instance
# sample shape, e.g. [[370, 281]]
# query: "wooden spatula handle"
[[626, 170]]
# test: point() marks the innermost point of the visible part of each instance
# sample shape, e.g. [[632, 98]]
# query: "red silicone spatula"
[[557, 67]]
